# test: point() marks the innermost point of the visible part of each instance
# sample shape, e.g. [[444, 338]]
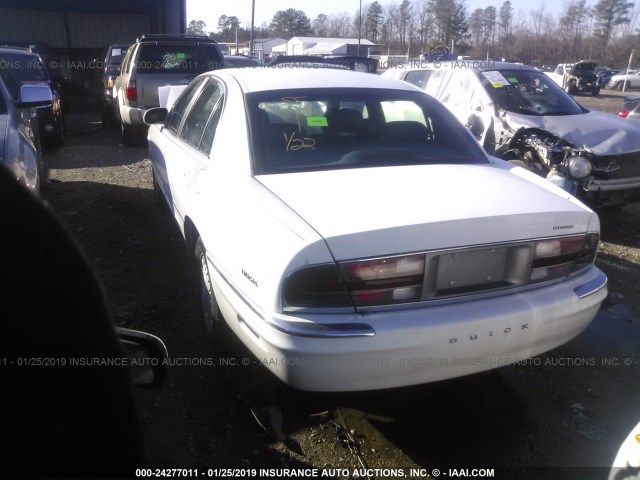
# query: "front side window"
[[198, 117], [3, 105], [305, 130], [174, 120]]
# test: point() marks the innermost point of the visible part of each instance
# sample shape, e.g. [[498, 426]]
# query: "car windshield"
[[179, 58], [26, 68], [528, 92], [327, 129]]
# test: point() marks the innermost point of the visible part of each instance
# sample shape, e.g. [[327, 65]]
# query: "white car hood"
[[601, 133], [380, 211]]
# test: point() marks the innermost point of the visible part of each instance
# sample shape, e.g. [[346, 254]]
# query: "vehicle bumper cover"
[[594, 185], [132, 115], [387, 349]]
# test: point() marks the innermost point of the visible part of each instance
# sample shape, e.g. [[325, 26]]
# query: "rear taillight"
[[109, 82], [372, 282], [426, 276], [623, 113], [558, 257], [318, 286], [385, 281], [132, 92]]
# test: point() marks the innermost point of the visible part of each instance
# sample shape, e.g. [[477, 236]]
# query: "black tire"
[[619, 86], [58, 139], [130, 134], [210, 310], [595, 92]]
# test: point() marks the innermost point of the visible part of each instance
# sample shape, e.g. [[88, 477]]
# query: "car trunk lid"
[[371, 212]]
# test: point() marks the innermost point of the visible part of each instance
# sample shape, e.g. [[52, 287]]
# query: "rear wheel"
[[210, 310], [620, 86], [595, 92]]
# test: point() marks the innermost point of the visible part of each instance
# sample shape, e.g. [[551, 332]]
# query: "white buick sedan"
[[355, 236]]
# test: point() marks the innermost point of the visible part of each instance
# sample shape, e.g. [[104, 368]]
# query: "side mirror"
[[35, 96], [147, 357], [155, 115]]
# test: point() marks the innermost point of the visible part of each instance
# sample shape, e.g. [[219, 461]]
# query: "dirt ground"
[[569, 408]]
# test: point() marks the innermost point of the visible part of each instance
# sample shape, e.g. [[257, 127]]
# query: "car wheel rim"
[[207, 301]]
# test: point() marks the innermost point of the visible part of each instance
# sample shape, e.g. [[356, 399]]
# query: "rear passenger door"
[[188, 148]]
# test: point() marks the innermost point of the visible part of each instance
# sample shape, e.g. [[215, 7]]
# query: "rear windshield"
[[116, 54], [181, 58], [306, 130]]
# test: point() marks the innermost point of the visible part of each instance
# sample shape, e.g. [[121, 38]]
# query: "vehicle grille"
[[612, 167]]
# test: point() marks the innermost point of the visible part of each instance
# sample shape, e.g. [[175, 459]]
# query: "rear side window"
[[178, 58], [127, 61], [418, 78]]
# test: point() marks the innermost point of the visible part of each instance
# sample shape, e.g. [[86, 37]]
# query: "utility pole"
[[359, 26], [253, 14], [624, 85]]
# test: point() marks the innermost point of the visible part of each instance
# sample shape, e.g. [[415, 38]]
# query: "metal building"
[[79, 30]]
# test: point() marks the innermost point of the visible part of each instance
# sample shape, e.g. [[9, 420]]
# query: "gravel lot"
[[571, 407]]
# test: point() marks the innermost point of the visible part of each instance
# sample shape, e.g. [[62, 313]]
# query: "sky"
[[211, 10]]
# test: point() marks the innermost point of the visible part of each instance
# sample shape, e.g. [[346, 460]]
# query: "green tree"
[[404, 19], [489, 26], [450, 21], [228, 26], [571, 21], [373, 21], [506, 20], [476, 25], [321, 25], [290, 23], [609, 14], [196, 27], [424, 20]]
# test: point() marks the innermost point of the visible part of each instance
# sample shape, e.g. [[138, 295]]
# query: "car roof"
[[177, 38], [265, 79]]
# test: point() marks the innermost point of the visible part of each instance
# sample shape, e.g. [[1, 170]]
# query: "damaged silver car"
[[520, 114]]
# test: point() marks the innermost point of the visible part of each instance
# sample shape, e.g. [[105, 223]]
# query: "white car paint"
[[260, 229]]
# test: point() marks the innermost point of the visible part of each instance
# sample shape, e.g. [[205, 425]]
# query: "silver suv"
[[154, 61]]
